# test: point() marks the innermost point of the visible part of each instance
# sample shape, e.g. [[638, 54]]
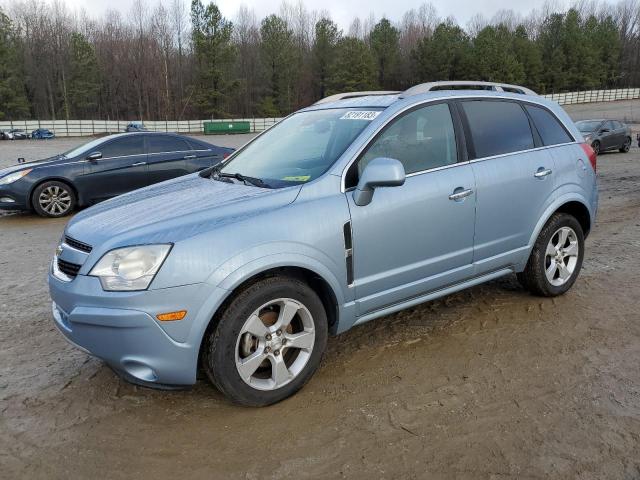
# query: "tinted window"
[[422, 139], [609, 125], [497, 127], [617, 125], [133, 145], [197, 145], [548, 126], [163, 143]]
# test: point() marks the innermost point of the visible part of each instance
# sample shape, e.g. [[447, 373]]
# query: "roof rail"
[[347, 95], [467, 85]]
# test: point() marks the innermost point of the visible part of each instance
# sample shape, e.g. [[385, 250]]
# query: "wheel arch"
[[317, 282], [64, 180]]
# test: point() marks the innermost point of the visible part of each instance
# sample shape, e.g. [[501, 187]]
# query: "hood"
[[173, 210], [36, 163]]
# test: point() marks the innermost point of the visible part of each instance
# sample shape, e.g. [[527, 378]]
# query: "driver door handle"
[[138, 164], [459, 195], [542, 172], [189, 156]]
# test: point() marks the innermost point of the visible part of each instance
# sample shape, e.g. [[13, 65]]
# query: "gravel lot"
[[484, 384]]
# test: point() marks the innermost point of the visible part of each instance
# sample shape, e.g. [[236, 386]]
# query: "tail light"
[[591, 154]]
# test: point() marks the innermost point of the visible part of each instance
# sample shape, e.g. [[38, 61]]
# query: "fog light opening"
[[140, 371]]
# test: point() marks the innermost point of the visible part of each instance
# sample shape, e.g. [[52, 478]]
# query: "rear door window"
[[166, 144], [122, 147], [550, 129], [497, 127]]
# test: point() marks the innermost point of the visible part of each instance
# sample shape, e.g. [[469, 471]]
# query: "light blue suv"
[[343, 212]]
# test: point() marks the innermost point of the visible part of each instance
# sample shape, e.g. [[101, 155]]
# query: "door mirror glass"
[[94, 156], [380, 172]]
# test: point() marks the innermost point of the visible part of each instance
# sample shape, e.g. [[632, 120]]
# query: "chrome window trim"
[[527, 99]]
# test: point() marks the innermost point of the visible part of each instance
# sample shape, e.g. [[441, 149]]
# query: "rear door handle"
[[138, 164], [459, 194], [189, 156], [542, 172]]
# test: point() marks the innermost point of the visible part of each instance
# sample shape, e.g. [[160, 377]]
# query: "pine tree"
[[278, 57], [84, 77], [384, 41], [214, 55], [355, 68], [323, 52], [13, 100]]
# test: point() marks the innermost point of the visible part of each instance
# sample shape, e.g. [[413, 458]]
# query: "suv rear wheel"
[[268, 342], [556, 258]]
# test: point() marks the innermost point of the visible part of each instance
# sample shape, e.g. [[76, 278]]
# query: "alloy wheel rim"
[[55, 200], [275, 344], [561, 256]]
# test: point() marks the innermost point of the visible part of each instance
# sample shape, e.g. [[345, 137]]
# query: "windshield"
[[300, 148], [588, 125], [85, 148]]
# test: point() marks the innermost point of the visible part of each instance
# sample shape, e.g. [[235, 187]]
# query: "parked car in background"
[[135, 127], [343, 212], [6, 135], [19, 134], [102, 169], [42, 134], [604, 135]]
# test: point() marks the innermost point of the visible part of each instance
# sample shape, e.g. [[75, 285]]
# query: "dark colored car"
[[102, 169], [42, 134], [604, 135], [135, 127]]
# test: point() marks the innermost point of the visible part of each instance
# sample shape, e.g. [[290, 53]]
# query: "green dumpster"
[[220, 128]]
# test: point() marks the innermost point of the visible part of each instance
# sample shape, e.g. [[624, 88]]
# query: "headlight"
[[130, 268], [15, 176], [587, 138]]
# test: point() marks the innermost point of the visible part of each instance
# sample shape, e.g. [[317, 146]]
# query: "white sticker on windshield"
[[360, 115]]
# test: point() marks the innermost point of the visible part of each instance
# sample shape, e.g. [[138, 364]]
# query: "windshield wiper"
[[256, 182]]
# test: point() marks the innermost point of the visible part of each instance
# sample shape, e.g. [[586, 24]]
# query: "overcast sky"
[[342, 11]]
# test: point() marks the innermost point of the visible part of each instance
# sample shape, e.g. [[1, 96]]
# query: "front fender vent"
[[348, 252]]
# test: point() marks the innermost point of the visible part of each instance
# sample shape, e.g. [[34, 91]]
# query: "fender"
[[550, 210], [265, 257]]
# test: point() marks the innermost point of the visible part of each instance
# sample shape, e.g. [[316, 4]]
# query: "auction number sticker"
[[360, 115]]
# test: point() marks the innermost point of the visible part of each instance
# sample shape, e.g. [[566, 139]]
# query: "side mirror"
[[605, 130], [381, 172], [94, 156]]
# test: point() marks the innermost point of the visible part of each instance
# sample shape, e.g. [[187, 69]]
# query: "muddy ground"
[[489, 383]]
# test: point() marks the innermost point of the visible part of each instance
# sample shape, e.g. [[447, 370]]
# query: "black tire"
[[596, 147], [626, 146], [65, 198], [220, 342], [533, 278]]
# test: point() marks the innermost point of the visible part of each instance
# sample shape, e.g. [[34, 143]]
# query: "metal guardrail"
[[593, 96], [81, 128]]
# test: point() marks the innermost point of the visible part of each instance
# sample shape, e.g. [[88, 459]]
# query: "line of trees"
[[182, 61]]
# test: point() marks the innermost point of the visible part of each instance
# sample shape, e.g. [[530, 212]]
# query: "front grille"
[[68, 268], [83, 247]]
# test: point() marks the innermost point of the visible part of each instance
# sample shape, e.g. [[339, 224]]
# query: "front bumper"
[[13, 197], [120, 328]]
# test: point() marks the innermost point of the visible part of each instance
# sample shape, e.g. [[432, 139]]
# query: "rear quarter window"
[[550, 129], [497, 127]]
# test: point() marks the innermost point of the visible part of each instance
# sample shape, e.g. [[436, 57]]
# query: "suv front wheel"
[[267, 343], [556, 258]]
